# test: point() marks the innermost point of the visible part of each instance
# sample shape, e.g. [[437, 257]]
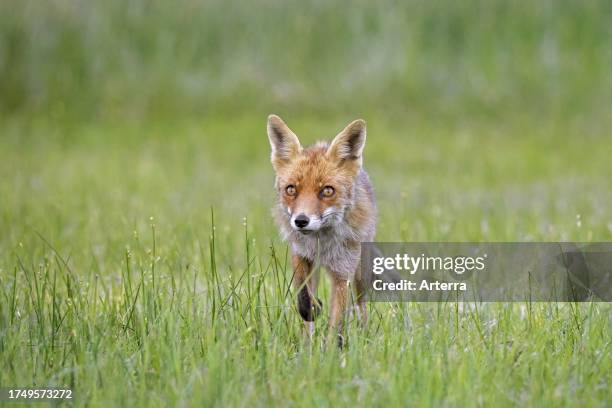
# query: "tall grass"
[[129, 273], [196, 336]]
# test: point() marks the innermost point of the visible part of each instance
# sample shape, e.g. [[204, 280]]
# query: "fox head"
[[315, 184]]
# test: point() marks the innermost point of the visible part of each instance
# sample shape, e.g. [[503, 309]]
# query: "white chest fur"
[[337, 249]]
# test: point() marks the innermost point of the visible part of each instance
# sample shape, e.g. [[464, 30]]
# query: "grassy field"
[[139, 264], [117, 281]]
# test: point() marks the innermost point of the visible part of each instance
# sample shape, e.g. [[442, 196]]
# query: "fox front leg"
[[305, 282], [338, 309], [360, 296], [362, 310]]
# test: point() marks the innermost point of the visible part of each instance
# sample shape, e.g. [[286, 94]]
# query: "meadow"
[[139, 264]]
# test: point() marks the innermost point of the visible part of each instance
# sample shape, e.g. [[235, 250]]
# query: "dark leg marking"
[[307, 309]]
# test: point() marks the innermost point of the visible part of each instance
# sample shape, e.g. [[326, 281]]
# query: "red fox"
[[325, 205]]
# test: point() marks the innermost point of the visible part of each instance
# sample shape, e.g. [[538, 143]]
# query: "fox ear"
[[347, 146], [285, 144]]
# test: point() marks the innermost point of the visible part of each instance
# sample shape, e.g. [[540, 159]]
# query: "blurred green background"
[[149, 58]]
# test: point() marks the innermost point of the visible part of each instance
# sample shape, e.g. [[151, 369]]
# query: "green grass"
[[115, 281]]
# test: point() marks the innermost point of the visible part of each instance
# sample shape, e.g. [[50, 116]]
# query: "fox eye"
[[290, 190], [327, 191]]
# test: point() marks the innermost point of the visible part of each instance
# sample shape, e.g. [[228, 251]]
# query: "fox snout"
[[304, 209], [305, 223], [301, 221]]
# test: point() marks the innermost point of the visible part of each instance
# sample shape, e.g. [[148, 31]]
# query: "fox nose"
[[301, 221]]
